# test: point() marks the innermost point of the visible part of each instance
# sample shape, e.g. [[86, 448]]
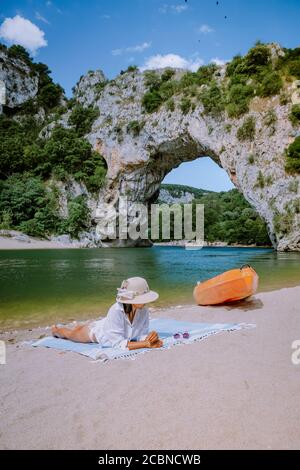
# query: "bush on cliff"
[[135, 127], [293, 157], [151, 101], [82, 118], [78, 219], [29, 203], [49, 96], [271, 84], [290, 62], [14, 137], [212, 100], [238, 99], [162, 88], [295, 114], [247, 129]]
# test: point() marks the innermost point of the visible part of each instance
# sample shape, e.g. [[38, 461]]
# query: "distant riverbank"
[[31, 244], [213, 244], [14, 240]]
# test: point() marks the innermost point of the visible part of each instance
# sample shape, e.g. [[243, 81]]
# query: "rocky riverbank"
[[14, 240]]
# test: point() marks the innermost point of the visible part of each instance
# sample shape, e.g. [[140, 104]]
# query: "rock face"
[[70, 190], [166, 197], [21, 83], [141, 148], [138, 163], [89, 87], [179, 194]]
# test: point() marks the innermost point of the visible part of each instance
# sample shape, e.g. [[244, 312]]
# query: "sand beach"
[[235, 390]]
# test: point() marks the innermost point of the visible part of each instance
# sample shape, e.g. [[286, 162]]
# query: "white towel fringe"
[[132, 355]]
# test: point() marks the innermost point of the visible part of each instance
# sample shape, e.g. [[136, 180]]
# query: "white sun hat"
[[135, 290]]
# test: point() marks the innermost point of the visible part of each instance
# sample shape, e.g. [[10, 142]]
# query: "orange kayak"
[[232, 285]]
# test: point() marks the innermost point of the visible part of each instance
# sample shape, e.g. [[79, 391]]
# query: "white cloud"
[[173, 8], [179, 8], [41, 17], [105, 17], [50, 4], [205, 29], [137, 48], [117, 51], [218, 61], [159, 61], [19, 30]]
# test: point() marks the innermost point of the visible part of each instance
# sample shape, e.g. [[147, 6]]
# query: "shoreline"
[[181, 243], [41, 327], [24, 333], [225, 385], [20, 241], [24, 242]]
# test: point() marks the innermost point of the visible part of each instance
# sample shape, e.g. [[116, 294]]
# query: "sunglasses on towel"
[[179, 335]]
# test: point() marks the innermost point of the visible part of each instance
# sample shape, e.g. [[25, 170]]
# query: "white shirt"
[[115, 330]]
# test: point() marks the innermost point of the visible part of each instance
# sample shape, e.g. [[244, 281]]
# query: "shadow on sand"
[[251, 303]]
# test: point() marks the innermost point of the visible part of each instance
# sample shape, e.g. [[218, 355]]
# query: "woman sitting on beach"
[[126, 325]]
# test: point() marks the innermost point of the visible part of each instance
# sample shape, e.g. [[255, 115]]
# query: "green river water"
[[39, 287]]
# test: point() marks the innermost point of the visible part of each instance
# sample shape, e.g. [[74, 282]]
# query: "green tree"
[[49, 95], [82, 119], [79, 217], [22, 195]]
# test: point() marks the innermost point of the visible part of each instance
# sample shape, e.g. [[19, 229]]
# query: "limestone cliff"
[[21, 84], [141, 148], [142, 140]]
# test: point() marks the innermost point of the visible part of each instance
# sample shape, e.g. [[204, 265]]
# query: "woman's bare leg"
[[79, 334]]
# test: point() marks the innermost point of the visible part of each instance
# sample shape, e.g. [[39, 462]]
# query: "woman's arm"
[[144, 344], [151, 341]]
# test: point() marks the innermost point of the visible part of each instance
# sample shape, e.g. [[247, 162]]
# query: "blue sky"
[[73, 37], [201, 173]]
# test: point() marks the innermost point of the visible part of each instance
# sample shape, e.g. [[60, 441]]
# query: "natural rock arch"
[[143, 139], [137, 165], [140, 148]]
